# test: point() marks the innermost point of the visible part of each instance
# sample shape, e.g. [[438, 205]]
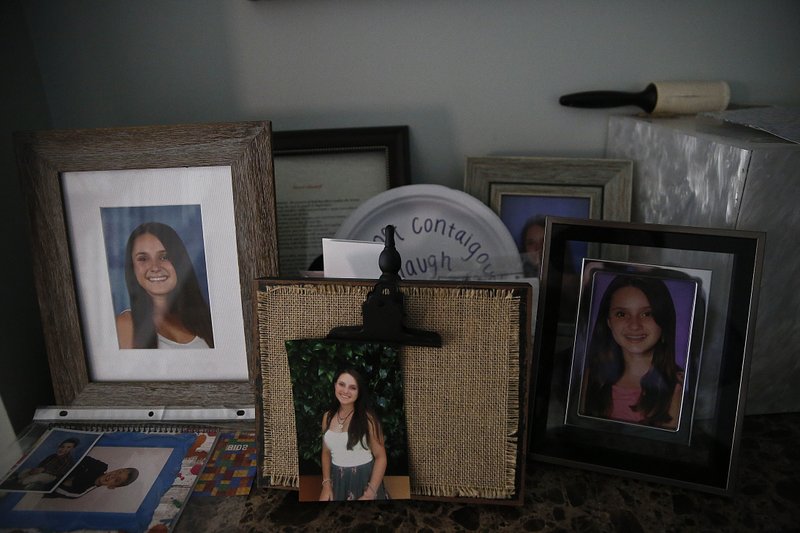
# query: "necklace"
[[340, 421]]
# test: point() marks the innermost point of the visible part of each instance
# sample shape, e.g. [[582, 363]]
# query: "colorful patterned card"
[[232, 467], [172, 503]]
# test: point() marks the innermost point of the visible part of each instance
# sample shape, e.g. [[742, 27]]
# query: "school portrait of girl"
[[636, 356], [158, 277]]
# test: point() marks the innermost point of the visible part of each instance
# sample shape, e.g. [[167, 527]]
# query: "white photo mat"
[[85, 193]]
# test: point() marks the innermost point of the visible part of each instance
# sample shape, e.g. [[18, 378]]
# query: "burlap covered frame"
[[466, 402]]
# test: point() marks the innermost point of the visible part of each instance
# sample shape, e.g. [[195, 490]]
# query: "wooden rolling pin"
[[681, 97]]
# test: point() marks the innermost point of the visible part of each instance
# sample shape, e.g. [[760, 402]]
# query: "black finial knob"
[[389, 260]]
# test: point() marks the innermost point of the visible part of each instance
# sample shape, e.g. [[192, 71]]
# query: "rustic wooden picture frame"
[[603, 186], [43, 156], [609, 179]]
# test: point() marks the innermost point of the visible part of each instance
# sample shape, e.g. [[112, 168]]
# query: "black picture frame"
[[301, 221], [702, 454]]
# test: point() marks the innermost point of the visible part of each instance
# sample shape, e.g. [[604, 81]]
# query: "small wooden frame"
[[525, 190], [605, 182], [43, 157]]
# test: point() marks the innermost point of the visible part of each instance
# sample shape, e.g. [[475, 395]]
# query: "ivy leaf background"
[[313, 364]]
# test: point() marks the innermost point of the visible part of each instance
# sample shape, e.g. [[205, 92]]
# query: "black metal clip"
[[383, 309]]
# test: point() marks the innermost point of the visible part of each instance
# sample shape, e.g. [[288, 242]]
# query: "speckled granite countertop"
[[556, 499]]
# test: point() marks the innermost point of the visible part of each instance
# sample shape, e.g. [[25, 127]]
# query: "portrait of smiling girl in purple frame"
[[633, 363]]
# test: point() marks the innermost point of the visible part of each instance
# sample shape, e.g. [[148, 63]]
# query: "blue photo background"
[[517, 209], [119, 222]]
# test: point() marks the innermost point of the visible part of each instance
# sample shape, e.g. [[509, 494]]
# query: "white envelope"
[[351, 259]]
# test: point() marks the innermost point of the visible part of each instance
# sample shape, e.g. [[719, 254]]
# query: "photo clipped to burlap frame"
[[465, 402]]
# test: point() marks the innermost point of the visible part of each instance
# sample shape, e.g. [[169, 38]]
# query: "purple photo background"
[[683, 298]]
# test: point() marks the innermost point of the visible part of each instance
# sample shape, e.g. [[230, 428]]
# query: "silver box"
[[698, 171]]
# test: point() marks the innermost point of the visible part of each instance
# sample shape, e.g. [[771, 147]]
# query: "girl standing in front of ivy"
[[353, 449]]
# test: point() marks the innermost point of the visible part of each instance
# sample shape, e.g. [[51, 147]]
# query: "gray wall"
[[470, 78]]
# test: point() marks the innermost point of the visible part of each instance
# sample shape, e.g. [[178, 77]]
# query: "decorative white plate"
[[441, 233]]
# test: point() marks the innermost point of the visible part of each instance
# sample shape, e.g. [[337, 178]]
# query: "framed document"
[[323, 175]]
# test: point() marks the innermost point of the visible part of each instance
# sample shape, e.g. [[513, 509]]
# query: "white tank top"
[[340, 455], [165, 343]]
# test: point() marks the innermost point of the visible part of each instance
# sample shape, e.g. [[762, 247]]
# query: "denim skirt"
[[350, 482]]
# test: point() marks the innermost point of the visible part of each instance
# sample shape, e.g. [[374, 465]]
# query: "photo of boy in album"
[[49, 463]]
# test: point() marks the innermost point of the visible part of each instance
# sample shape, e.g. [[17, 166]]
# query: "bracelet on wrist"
[[369, 487], [324, 481]]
